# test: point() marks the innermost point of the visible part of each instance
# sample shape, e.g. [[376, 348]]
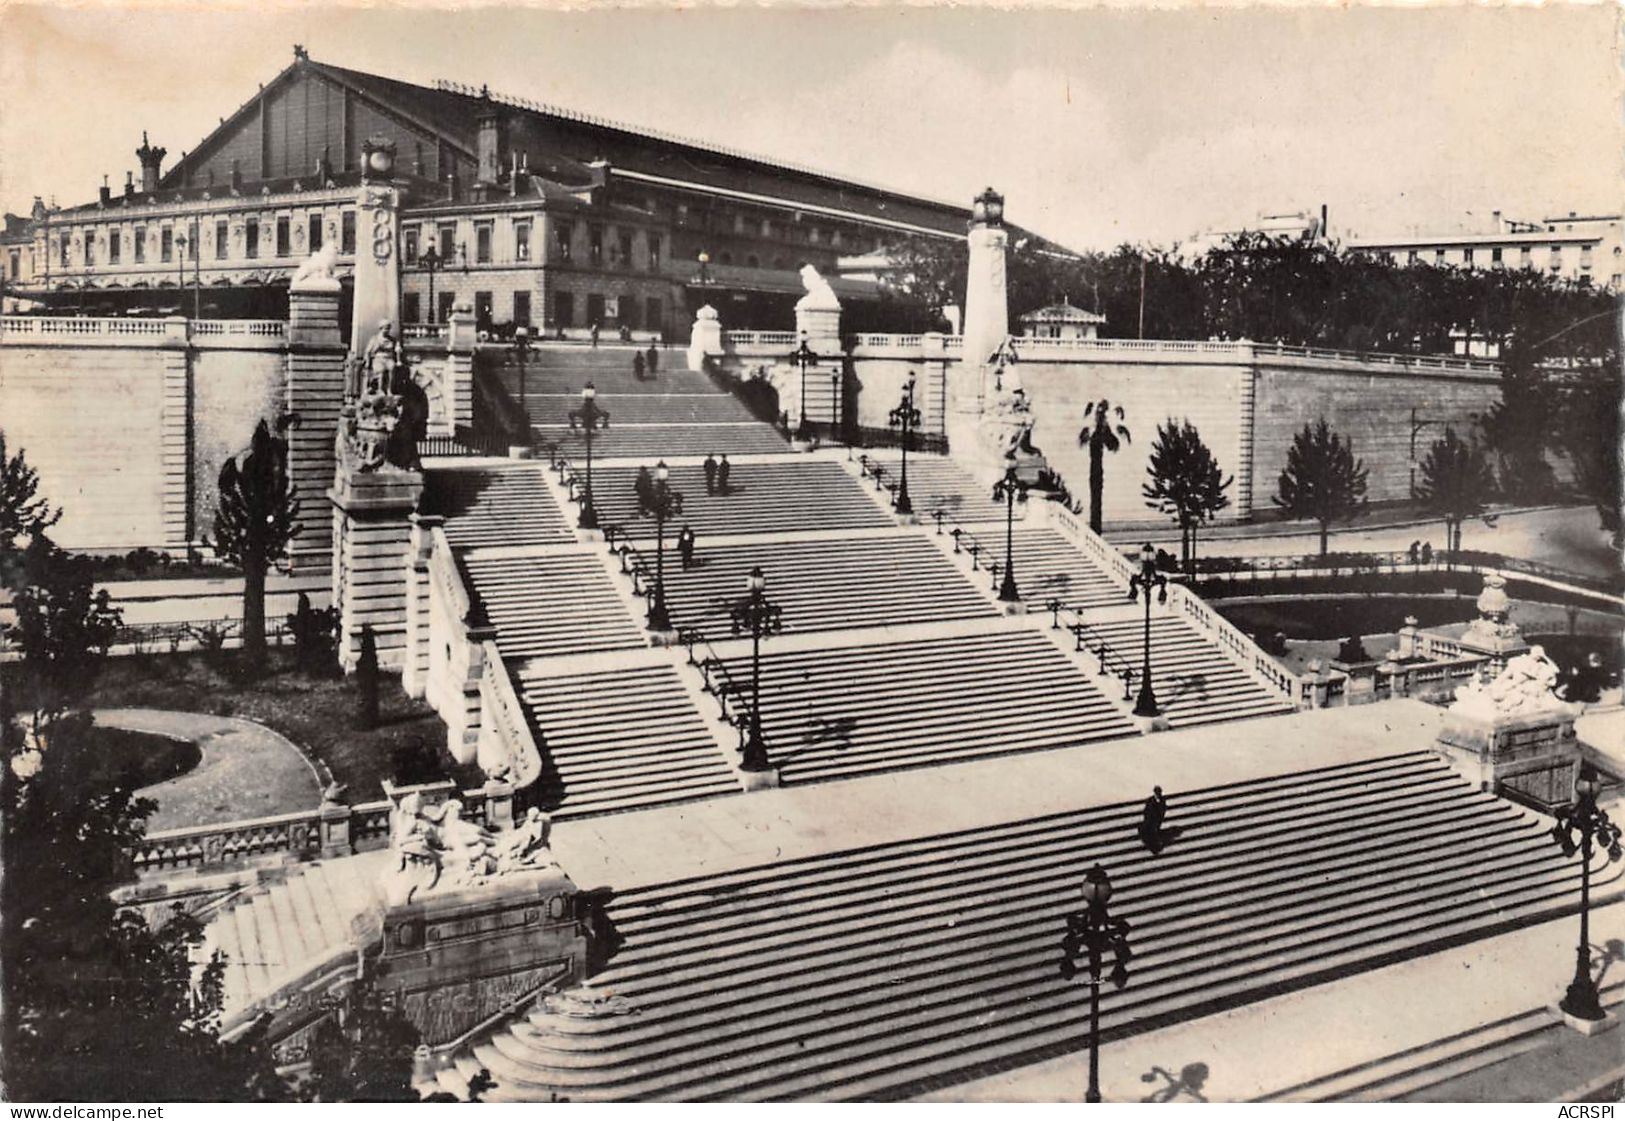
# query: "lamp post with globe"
[[1091, 933], [588, 419], [1580, 827], [1141, 583]]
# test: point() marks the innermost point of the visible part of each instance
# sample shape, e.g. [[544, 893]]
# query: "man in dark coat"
[[1151, 819], [723, 469], [710, 474], [654, 359]]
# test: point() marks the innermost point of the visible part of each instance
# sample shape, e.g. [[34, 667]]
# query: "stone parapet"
[[372, 541], [1534, 756]]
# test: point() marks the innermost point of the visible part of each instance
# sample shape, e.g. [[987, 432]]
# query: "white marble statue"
[[316, 271], [820, 296], [525, 847], [1527, 685], [437, 848]]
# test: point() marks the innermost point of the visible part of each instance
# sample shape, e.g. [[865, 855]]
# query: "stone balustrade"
[[214, 334], [325, 831]]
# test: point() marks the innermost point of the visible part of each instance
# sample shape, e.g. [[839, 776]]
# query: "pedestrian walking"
[[710, 474], [685, 546], [1427, 552], [644, 485], [1414, 551], [626, 333], [1151, 819], [722, 475], [654, 359], [594, 336], [637, 365]]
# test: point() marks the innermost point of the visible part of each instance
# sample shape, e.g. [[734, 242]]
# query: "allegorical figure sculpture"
[[437, 848], [1527, 685], [390, 411]]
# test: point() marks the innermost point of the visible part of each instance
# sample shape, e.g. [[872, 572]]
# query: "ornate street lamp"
[[1584, 820], [755, 613], [589, 418], [1147, 578], [1091, 932], [803, 357], [430, 260], [1008, 490], [834, 403], [664, 502], [521, 354], [906, 417]]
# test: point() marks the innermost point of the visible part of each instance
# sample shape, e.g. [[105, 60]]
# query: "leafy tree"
[[63, 629], [99, 1005], [23, 514], [1185, 482], [366, 680], [1592, 422], [1456, 483], [1520, 427], [1323, 480], [368, 1059], [253, 525], [1100, 437]]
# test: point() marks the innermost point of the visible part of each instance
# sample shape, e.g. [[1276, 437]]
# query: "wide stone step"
[[762, 498], [620, 739], [873, 975], [486, 506]]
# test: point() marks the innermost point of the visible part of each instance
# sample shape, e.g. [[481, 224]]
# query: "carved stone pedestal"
[[455, 960], [1534, 756], [371, 554]]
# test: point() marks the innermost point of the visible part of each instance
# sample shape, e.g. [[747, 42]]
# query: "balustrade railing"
[[1116, 566], [448, 580], [21, 328], [499, 702], [1265, 669], [737, 339]]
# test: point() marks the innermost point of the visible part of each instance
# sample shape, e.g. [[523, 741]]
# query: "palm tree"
[[1100, 437]]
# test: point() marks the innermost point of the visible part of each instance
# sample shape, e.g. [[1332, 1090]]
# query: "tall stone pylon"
[[987, 323], [377, 268]]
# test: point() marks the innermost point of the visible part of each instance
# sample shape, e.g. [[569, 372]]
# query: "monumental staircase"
[[895, 651], [876, 973], [674, 411]]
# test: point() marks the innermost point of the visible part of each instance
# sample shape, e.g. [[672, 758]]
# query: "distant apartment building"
[[1582, 247]]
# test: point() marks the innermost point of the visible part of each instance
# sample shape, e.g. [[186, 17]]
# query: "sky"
[[1099, 125]]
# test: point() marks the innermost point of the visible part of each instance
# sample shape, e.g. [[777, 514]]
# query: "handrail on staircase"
[[964, 540], [876, 470], [633, 562], [723, 686], [1092, 641]]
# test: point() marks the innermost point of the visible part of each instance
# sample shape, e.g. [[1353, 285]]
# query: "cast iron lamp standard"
[[1091, 932], [755, 613], [804, 358], [430, 260], [906, 417], [589, 418], [1584, 820], [1008, 490], [1147, 578], [664, 502]]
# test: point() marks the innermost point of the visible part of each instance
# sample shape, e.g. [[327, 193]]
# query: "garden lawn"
[[316, 713]]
